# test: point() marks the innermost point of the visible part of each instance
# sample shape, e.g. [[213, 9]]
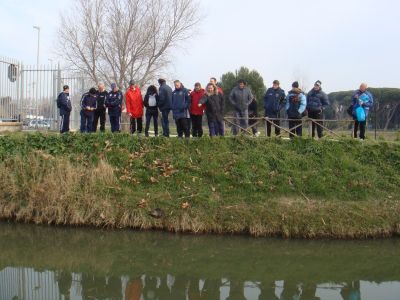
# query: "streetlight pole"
[[37, 76]]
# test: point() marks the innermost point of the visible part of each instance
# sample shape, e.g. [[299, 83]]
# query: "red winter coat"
[[194, 107], [134, 102]]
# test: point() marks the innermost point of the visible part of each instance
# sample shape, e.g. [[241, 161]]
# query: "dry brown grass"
[[44, 189]]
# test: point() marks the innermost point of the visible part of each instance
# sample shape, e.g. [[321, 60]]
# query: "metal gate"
[[9, 85], [28, 94]]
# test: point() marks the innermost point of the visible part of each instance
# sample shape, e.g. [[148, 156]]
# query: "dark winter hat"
[[92, 91], [65, 87], [132, 82], [318, 82], [276, 82], [113, 85], [295, 85]]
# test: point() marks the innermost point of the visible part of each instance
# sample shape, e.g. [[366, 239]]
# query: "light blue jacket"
[[295, 110]]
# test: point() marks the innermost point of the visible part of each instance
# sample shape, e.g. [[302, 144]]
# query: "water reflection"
[[27, 283], [48, 263]]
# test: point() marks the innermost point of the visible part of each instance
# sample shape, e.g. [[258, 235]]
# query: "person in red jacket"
[[134, 107], [196, 111]]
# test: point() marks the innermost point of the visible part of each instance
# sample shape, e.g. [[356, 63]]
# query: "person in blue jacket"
[[164, 104], [88, 106], [65, 107], [317, 102], [114, 105], [274, 101], [364, 99], [296, 103], [180, 109]]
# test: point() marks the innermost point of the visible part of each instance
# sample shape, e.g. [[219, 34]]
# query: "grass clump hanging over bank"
[[300, 188]]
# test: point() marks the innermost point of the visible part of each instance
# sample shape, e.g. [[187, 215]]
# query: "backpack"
[[152, 101], [350, 110]]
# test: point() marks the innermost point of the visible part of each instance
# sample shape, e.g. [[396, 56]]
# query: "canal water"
[[38, 262]]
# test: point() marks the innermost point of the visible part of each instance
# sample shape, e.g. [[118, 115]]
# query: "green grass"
[[299, 188]]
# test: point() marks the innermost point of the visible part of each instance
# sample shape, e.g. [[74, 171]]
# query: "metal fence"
[[28, 94]]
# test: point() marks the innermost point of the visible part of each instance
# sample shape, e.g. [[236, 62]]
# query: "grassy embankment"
[[300, 188]]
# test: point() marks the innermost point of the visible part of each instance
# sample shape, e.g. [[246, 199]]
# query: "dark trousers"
[[183, 127], [296, 131], [216, 128], [276, 122], [151, 113], [165, 122], [138, 122], [115, 121], [317, 115], [87, 121], [64, 123], [252, 121], [362, 126], [197, 125], [99, 114]]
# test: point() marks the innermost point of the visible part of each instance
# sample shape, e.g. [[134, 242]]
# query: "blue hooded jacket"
[[181, 103]]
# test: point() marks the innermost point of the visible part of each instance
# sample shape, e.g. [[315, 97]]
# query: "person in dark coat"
[[88, 106], [180, 109], [164, 104], [317, 102], [296, 103], [114, 106], [100, 112], [214, 102], [274, 101], [240, 98], [253, 115], [64, 104], [151, 100]]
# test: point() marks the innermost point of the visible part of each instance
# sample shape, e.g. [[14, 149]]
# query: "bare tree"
[[119, 40]]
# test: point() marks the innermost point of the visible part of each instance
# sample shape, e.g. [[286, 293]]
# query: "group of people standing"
[[189, 106]]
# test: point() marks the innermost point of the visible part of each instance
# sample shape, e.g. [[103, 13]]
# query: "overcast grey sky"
[[341, 42]]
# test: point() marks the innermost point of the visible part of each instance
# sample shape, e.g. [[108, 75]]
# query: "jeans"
[[241, 118], [197, 125], [151, 113], [165, 122], [216, 128], [87, 121]]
